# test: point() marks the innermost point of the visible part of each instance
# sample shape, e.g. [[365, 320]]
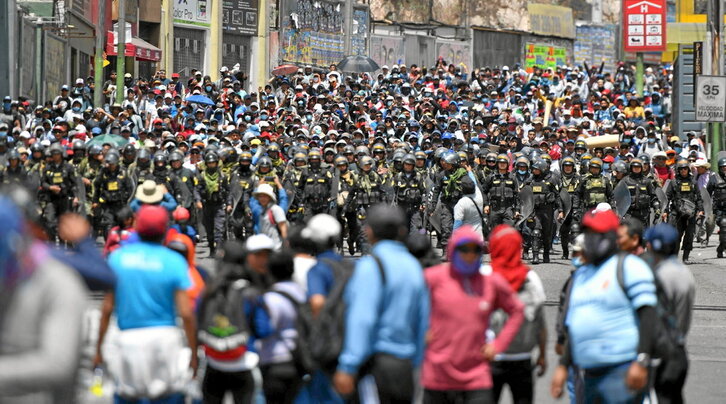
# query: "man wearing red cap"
[[145, 356], [609, 319]]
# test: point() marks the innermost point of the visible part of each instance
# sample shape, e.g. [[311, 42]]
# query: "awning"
[[135, 47]]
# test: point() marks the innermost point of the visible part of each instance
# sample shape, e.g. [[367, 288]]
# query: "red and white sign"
[[644, 27]]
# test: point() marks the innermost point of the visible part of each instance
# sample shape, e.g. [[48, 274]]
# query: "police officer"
[[79, 152], [128, 157], [112, 189], [213, 190], [594, 189], [189, 180], [88, 170], [315, 187], [275, 155], [642, 193], [292, 184], [719, 206], [447, 188], [241, 187], [500, 192], [141, 169], [345, 181], [228, 157], [409, 192], [163, 176], [619, 171], [685, 206], [366, 193], [545, 194], [57, 187], [569, 181], [15, 172]]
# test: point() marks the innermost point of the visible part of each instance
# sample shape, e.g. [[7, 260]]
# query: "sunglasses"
[[469, 250]]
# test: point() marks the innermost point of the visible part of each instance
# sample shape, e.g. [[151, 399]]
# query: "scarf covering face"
[[464, 235], [505, 247], [211, 181]]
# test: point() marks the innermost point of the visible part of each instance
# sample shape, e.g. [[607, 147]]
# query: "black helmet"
[[349, 149], [541, 165], [362, 151], [683, 163], [398, 156], [36, 147], [722, 162], [438, 153], [56, 148], [645, 158], [264, 161], [144, 155], [245, 157], [14, 154], [494, 158], [129, 149], [568, 161], [211, 157], [111, 158], [595, 162], [273, 147], [366, 161], [176, 155], [160, 157], [501, 158], [314, 154], [409, 159], [78, 145], [620, 167], [636, 162], [340, 161], [300, 157], [420, 155], [451, 158], [95, 150]]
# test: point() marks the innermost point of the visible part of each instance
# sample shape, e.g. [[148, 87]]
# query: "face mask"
[[208, 88], [464, 268], [309, 117], [521, 172], [599, 246], [248, 118], [577, 262], [678, 149], [263, 117], [651, 140], [253, 151], [606, 166], [76, 109]]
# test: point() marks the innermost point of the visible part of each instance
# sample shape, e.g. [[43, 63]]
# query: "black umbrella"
[[358, 64]]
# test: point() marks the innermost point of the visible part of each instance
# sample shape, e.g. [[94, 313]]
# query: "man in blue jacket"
[[387, 317]]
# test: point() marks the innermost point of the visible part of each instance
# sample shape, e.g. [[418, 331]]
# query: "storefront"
[[192, 20]]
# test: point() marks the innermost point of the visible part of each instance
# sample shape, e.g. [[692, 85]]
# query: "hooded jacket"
[[459, 321]]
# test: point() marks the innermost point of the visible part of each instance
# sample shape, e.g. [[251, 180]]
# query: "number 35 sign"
[[711, 98]]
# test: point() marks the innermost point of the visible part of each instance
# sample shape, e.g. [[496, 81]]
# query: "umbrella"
[[200, 99], [358, 64], [115, 140], [284, 70]]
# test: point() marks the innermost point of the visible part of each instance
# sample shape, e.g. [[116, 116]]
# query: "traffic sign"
[[711, 98], [645, 25]]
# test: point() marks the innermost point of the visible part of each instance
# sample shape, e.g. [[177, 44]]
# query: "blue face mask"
[[263, 117], [577, 262], [678, 149], [522, 172], [76, 109], [309, 117], [208, 88], [248, 118], [606, 166], [464, 268], [651, 140], [253, 151]]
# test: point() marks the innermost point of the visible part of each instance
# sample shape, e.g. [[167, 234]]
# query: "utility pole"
[[348, 27], [639, 72], [98, 70], [121, 52], [714, 25]]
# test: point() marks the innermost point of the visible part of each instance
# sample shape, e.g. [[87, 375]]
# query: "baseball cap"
[[151, 221], [259, 242], [600, 221], [661, 236]]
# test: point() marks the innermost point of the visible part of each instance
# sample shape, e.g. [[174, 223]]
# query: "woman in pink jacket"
[[456, 361]]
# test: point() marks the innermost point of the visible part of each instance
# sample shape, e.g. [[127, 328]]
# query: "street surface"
[[706, 342]]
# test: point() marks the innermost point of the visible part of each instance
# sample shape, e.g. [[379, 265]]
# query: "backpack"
[[301, 356], [322, 337], [668, 338], [223, 328]]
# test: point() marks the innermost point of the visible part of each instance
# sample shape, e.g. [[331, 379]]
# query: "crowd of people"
[[286, 184]]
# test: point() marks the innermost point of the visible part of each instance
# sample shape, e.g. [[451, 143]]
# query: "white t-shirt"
[[269, 220]]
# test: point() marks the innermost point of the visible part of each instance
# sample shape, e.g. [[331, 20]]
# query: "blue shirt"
[[320, 275], [602, 320], [148, 276], [393, 320]]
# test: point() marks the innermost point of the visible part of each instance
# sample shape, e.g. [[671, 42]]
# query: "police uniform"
[[500, 193], [346, 210], [214, 190], [409, 193], [241, 187], [111, 191], [545, 194], [367, 192], [56, 204], [685, 203], [315, 188], [568, 182], [593, 190]]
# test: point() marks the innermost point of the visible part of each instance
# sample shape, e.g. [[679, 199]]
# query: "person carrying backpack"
[[232, 316], [387, 313], [609, 319], [281, 379], [676, 293]]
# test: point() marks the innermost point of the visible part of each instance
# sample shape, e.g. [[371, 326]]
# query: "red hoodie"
[[459, 321]]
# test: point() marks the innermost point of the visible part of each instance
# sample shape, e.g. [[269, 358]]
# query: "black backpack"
[[668, 338], [223, 328], [322, 337]]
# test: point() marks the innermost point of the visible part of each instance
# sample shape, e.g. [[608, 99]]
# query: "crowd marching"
[[283, 182]]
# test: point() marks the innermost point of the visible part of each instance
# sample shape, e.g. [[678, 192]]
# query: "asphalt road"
[[706, 342]]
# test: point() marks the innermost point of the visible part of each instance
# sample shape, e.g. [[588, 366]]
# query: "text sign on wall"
[[710, 98]]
